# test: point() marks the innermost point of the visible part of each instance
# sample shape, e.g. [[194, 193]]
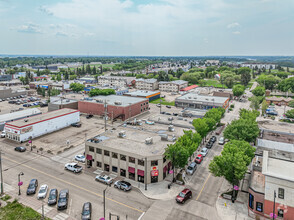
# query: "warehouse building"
[[131, 153], [25, 129], [60, 102], [17, 115], [150, 95], [193, 100], [117, 107]]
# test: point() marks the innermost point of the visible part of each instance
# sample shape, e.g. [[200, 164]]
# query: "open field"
[[163, 102], [214, 83]]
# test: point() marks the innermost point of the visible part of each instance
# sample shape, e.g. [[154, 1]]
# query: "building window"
[[91, 149], [281, 213], [132, 159], [164, 159], [123, 157], [114, 155], [99, 164], [251, 201], [106, 153], [106, 167], [122, 172], [114, 169], [98, 151], [281, 193], [141, 162], [154, 162], [259, 206]]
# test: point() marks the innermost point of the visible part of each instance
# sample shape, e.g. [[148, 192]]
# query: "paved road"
[[82, 187]]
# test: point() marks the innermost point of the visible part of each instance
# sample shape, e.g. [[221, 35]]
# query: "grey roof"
[[19, 114], [195, 98], [146, 80], [274, 145], [178, 82], [141, 93], [111, 99]]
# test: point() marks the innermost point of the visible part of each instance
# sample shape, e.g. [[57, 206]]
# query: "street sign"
[[20, 183]]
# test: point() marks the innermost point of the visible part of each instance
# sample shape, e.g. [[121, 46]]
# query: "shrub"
[[230, 109], [34, 146], [291, 104], [232, 106], [273, 117], [49, 151], [6, 197], [41, 149]]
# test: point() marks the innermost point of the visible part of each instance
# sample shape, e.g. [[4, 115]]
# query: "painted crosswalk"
[[60, 216], [46, 210]]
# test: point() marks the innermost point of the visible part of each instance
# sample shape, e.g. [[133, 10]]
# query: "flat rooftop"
[[19, 114], [111, 99], [193, 97], [257, 181], [42, 117], [142, 93], [278, 136], [134, 142]]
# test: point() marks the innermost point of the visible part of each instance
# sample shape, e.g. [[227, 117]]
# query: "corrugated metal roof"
[[19, 114]]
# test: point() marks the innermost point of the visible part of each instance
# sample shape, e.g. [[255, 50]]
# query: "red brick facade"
[[257, 197], [287, 210], [114, 111]]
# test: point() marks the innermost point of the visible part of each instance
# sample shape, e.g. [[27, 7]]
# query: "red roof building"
[[189, 88]]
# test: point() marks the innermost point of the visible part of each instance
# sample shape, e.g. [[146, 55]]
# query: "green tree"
[[242, 129], [76, 87], [179, 72], [177, 154], [243, 70], [268, 81], [214, 113], [245, 77], [200, 126], [94, 72], [264, 106], [58, 77], [291, 104], [238, 90], [88, 69], [96, 92], [259, 91], [255, 101], [286, 85], [290, 113], [248, 114]]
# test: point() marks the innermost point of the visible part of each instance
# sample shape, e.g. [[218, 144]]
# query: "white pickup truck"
[[74, 167]]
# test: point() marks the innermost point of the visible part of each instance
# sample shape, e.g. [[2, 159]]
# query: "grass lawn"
[[16, 211], [163, 102], [214, 83], [107, 65]]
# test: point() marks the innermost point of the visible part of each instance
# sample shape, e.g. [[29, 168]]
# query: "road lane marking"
[[141, 216], [61, 180], [203, 186]]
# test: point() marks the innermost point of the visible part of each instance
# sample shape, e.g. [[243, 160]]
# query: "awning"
[[140, 172], [131, 170], [154, 172], [164, 169], [89, 157]]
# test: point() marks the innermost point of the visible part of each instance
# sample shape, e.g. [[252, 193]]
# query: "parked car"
[[170, 118], [52, 198], [167, 113], [199, 158], [43, 192], [11, 102], [20, 149], [212, 139], [162, 113], [77, 125], [175, 114], [184, 196], [123, 185], [80, 158], [3, 134], [191, 168], [26, 105], [104, 179], [204, 151], [63, 199], [87, 211], [32, 188], [221, 140], [74, 167], [89, 116], [168, 106], [209, 145], [158, 105]]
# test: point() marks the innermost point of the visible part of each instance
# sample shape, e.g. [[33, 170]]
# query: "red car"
[[184, 195], [199, 158]]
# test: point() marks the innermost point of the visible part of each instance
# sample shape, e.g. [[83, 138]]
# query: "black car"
[[167, 113], [20, 149], [209, 145], [162, 113], [175, 114], [213, 139], [168, 106], [52, 199], [77, 125], [89, 116], [87, 211], [32, 188], [63, 199]]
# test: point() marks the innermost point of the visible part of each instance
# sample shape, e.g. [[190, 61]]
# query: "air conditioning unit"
[[149, 140], [26, 120], [99, 100], [117, 102], [171, 128], [122, 134], [164, 137]]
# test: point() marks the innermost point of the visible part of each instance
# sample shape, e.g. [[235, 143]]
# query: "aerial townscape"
[[147, 110]]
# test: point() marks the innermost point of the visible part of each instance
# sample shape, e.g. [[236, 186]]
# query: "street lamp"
[[19, 183], [104, 207]]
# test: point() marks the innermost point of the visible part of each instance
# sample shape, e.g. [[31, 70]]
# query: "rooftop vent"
[[67, 100], [122, 134], [149, 140], [117, 102], [26, 120], [164, 137], [171, 128], [99, 100]]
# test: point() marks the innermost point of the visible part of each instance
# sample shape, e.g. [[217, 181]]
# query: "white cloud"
[[236, 32], [89, 34], [61, 34], [205, 40], [233, 25], [29, 28]]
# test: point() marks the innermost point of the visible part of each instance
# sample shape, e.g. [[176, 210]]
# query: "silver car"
[[191, 168], [204, 151]]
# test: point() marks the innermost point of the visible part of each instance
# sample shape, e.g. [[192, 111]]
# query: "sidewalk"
[[232, 211]]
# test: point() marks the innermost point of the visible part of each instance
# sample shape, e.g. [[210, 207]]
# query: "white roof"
[[19, 114]]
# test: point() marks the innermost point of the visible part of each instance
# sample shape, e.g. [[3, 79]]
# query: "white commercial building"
[[117, 81], [29, 128], [147, 84], [172, 86]]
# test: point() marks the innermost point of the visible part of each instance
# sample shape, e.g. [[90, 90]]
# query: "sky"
[[147, 27]]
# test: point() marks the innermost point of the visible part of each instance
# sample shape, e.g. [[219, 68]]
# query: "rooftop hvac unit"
[[164, 137], [67, 100], [122, 134], [26, 120], [117, 103], [99, 100], [171, 128], [189, 97], [149, 140]]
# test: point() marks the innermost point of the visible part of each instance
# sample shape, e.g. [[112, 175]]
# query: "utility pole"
[[160, 105], [274, 204], [2, 191], [43, 216], [105, 115], [145, 174]]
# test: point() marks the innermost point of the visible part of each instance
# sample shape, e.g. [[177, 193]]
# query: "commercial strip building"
[[278, 100], [6, 77], [60, 102], [147, 84], [29, 128], [150, 95], [224, 93], [17, 115], [172, 86], [117, 107], [117, 81], [193, 100], [8, 92], [132, 153]]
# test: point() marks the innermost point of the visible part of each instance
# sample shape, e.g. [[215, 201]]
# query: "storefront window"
[[141, 162], [106, 167], [98, 151], [114, 155], [114, 169], [154, 162], [122, 172], [259, 206], [99, 164], [281, 213], [132, 159], [251, 201]]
